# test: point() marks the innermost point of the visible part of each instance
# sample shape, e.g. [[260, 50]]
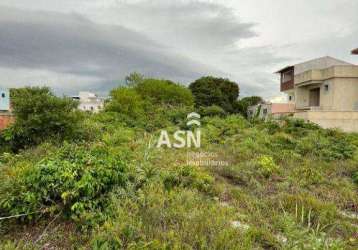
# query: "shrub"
[[188, 176], [40, 115], [267, 165], [73, 181], [328, 147], [283, 141], [212, 111], [298, 127]]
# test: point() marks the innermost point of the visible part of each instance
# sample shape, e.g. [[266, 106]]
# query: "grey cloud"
[[69, 43], [188, 24], [180, 40]]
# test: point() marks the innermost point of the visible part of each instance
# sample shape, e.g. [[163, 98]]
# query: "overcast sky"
[[73, 45]]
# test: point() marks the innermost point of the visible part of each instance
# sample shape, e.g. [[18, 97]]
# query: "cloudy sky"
[[74, 45]]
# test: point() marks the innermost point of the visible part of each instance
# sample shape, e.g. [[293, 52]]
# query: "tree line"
[[147, 102]]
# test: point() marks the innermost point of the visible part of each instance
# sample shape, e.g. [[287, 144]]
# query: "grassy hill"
[[273, 185]]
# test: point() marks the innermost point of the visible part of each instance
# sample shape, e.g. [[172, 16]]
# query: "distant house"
[[267, 110], [355, 51], [6, 118], [324, 91], [89, 102], [4, 99]]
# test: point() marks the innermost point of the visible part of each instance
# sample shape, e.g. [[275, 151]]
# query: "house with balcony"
[[324, 91]]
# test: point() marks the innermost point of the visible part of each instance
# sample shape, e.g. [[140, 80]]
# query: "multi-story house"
[[89, 102], [324, 91]]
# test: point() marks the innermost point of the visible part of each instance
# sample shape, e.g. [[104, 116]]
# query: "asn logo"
[[183, 138]]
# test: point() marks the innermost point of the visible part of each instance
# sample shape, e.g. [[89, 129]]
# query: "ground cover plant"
[[285, 184]]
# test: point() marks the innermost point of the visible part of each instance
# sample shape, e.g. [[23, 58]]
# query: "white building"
[[89, 102], [4, 99]]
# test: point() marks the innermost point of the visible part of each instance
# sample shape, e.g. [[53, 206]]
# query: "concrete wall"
[[327, 95], [344, 120], [273, 110], [345, 93], [291, 93], [301, 97], [262, 115]]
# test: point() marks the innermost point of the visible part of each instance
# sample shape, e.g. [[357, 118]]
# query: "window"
[[326, 87], [3, 95], [290, 98], [287, 76], [264, 111]]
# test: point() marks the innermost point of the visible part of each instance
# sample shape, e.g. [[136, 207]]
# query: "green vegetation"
[[133, 79], [210, 91], [287, 184], [150, 103], [243, 104], [39, 116]]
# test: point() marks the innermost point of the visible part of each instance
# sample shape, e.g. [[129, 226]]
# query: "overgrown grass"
[[287, 185]]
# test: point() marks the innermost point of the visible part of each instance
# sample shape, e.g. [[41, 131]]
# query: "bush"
[[299, 127], [72, 181], [190, 177], [328, 147], [267, 166], [212, 111], [217, 130], [40, 115]]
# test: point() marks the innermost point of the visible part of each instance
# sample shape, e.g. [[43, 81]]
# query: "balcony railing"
[[287, 85]]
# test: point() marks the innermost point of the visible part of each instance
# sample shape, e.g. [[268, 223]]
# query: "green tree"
[[126, 101], [40, 115], [165, 92], [133, 79], [209, 91], [241, 106]]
